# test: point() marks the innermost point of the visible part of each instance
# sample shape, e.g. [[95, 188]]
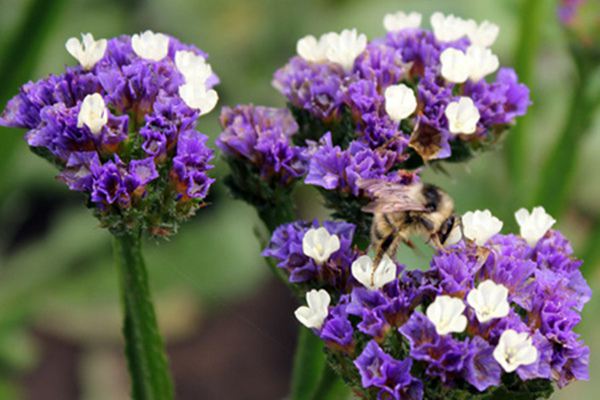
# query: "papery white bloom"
[[489, 300], [197, 97], [150, 45], [363, 270], [456, 65], [535, 225], [344, 47], [87, 51], [482, 62], [484, 34], [446, 314], [319, 244], [312, 49], [448, 28], [454, 236], [515, 349], [400, 101], [193, 67], [93, 113], [399, 21], [462, 116], [314, 315], [480, 226]]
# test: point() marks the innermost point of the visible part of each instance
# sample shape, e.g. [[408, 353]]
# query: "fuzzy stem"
[[144, 348], [331, 387]]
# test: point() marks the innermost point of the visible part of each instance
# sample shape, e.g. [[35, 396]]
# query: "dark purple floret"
[[481, 369], [191, 163]]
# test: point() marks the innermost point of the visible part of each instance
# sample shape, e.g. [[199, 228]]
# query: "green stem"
[[144, 347], [533, 14], [591, 251], [331, 387], [309, 365]]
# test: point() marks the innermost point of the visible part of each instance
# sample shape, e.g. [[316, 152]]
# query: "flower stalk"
[[144, 347]]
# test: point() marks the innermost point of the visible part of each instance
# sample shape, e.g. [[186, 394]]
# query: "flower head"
[[446, 314], [373, 276], [198, 98], [482, 62], [456, 65], [534, 225], [400, 101], [480, 226], [319, 244], [448, 28], [462, 116], [399, 21], [87, 51], [489, 300], [515, 349], [313, 315], [193, 67], [93, 113], [312, 49], [344, 47], [150, 46]]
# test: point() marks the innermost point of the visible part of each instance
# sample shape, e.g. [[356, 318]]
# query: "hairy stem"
[[144, 348]]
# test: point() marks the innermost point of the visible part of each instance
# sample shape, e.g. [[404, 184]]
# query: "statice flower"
[[120, 127]]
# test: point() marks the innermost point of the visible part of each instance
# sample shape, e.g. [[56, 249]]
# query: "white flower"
[[88, 52], [456, 65], [484, 34], [344, 47], [489, 301], [319, 244], [193, 67], [480, 226], [364, 271], [150, 45], [482, 62], [314, 315], [448, 28], [454, 236], [515, 349], [535, 225], [399, 21], [197, 97], [400, 101], [446, 313], [462, 116], [311, 49], [93, 113]]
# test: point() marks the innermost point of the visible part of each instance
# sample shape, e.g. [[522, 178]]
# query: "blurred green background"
[[58, 289]]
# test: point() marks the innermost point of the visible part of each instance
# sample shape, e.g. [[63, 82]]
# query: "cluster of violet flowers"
[[490, 309], [493, 314], [120, 127], [375, 110]]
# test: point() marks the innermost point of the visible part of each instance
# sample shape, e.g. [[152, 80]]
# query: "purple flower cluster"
[[262, 136], [567, 10], [286, 246], [144, 157], [546, 293]]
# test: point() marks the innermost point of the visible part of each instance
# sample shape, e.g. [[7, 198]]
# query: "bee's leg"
[[435, 240]]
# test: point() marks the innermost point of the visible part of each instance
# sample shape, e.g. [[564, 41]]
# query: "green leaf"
[[144, 346]]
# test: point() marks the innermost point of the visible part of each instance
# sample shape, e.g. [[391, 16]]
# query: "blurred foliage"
[[56, 270]]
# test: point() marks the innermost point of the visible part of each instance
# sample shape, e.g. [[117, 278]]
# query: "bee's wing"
[[391, 197]]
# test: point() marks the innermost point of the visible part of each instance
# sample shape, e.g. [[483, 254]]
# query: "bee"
[[401, 211]]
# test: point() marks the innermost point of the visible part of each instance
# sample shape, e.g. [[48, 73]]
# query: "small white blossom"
[[489, 300], [312, 49], [193, 67], [480, 226], [314, 315], [454, 236], [400, 101], [319, 244], [515, 349], [197, 97], [456, 65], [363, 270], [87, 51], [93, 113], [484, 34], [150, 45], [446, 313], [399, 21], [344, 47], [462, 116], [535, 225], [448, 28], [482, 62]]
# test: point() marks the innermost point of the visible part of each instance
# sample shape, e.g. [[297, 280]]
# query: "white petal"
[[385, 272], [462, 116], [456, 65], [319, 244], [315, 314], [483, 35], [534, 225], [362, 271], [193, 67], [88, 52], [448, 28], [197, 97], [343, 48], [489, 300], [400, 21], [150, 46], [400, 102], [514, 350], [482, 62], [446, 314], [480, 226], [93, 113]]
